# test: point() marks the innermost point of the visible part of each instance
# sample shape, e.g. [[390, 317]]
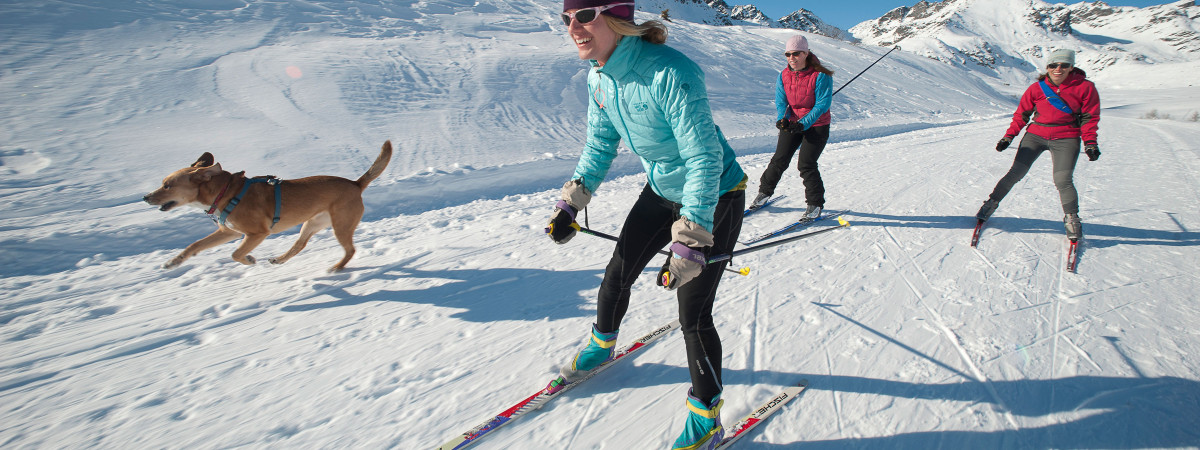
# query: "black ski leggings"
[[810, 143], [648, 229], [1064, 153]]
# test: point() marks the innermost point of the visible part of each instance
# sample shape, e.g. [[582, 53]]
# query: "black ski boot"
[[985, 211]]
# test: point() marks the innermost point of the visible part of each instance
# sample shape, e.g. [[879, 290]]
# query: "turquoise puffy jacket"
[[654, 97]]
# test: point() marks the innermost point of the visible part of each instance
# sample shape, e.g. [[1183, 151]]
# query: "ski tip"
[[842, 221], [744, 271]]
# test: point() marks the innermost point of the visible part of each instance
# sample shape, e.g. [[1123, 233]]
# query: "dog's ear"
[[209, 172], [205, 160]]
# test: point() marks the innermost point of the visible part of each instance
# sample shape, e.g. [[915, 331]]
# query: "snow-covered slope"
[[456, 305], [1008, 39]]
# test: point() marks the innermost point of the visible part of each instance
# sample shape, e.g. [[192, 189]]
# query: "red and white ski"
[[546, 394], [975, 235], [756, 417], [1072, 255]]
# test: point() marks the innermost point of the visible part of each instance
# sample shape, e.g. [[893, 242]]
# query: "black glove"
[[1003, 144], [782, 124], [1093, 151], [562, 223], [796, 127]]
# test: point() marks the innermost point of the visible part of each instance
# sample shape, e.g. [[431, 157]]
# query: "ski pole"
[[842, 223], [863, 71], [744, 271]]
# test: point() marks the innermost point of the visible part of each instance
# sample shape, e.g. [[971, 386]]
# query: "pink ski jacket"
[[1049, 122]]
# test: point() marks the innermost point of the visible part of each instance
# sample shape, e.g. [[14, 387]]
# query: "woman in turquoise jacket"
[[654, 98]]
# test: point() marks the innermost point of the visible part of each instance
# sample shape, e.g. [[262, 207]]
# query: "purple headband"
[[620, 12]]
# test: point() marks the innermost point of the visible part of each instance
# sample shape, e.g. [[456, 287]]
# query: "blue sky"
[[845, 14]]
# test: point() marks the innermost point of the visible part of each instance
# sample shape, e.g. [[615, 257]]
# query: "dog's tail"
[[385, 155]]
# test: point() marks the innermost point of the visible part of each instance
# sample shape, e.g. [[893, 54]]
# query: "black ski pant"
[[810, 143], [647, 229], [1064, 153]]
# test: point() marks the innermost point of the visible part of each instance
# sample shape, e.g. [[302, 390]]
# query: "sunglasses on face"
[[791, 54], [585, 15], [1057, 65]]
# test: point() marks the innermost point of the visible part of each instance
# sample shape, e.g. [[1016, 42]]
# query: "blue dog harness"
[[233, 202]]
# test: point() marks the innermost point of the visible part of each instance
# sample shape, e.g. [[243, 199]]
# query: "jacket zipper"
[[629, 142]]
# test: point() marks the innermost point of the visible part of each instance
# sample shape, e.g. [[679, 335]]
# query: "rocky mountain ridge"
[[987, 35]]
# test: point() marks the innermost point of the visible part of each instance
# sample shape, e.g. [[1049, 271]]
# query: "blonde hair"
[[652, 31]]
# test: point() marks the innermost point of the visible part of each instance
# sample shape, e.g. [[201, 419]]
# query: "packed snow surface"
[[456, 304]]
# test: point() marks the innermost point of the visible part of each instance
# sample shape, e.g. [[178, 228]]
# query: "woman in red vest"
[[802, 97], [1062, 110]]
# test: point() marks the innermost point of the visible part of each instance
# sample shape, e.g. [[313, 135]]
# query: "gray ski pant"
[[1064, 153]]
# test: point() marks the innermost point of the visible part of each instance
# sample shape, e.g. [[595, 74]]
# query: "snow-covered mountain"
[[805, 20], [1009, 39], [718, 12], [456, 305]]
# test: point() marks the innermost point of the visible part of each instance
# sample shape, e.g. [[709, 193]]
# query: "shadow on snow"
[[484, 295], [1095, 235]]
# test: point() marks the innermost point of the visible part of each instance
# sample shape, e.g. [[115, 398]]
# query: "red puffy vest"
[[800, 88]]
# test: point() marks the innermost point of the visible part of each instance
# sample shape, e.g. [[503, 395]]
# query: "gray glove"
[[687, 258]]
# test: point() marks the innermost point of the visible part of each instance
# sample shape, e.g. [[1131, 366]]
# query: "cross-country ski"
[[1072, 254], [791, 227], [546, 394], [756, 417], [976, 233]]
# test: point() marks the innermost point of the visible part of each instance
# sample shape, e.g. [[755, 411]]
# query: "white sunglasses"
[[585, 15]]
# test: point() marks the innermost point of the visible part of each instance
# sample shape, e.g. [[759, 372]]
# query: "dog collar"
[[222, 194]]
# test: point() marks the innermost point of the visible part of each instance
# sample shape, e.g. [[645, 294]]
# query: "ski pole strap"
[[688, 253], [566, 207]]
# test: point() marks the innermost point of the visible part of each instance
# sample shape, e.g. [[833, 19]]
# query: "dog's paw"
[[173, 263], [275, 261], [250, 260]]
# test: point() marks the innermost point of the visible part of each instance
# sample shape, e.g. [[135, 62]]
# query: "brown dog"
[[317, 202]]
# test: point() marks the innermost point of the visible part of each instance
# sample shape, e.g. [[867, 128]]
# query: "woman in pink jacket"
[[1062, 111]]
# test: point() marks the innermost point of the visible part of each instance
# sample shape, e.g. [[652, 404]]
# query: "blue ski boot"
[[703, 428], [599, 349]]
